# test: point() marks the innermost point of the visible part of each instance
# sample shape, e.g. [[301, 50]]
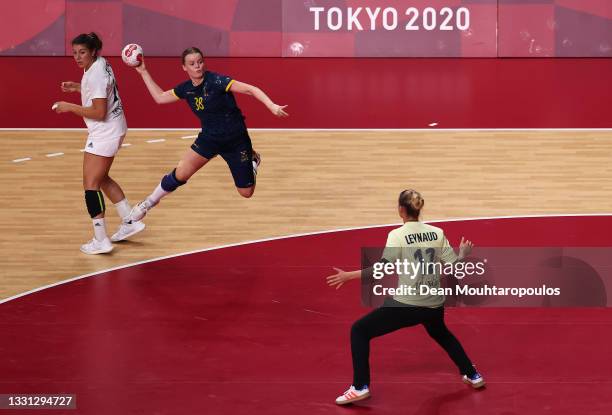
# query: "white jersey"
[[99, 82]]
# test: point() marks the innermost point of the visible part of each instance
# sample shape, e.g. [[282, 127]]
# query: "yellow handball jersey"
[[420, 252]]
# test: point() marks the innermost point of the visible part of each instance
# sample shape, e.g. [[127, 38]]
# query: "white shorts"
[[104, 148]]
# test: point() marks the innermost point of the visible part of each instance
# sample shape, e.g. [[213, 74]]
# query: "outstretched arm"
[[242, 88], [160, 96], [341, 277]]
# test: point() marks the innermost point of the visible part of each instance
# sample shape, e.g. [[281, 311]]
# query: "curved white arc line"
[[297, 235]]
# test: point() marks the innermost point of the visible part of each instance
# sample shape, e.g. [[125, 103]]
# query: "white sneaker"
[[139, 211], [126, 230], [353, 395], [476, 381], [256, 161], [97, 247]]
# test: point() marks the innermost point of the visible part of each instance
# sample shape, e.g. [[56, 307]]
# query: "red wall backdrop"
[[341, 93], [308, 28]]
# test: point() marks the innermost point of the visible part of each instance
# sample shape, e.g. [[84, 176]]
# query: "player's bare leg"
[[187, 167], [95, 169]]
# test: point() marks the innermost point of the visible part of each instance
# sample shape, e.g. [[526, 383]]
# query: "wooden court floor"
[[309, 181]]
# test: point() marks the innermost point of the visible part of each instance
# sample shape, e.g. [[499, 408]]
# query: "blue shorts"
[[237, 151]]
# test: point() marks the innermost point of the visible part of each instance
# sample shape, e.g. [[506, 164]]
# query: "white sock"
[[157, 195], [99, 229], [123, 208]]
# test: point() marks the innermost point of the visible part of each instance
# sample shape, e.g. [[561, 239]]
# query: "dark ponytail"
[[412, 201], [91, 42]]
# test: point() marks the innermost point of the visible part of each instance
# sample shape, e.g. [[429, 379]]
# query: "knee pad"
[[170, 183], [95, 202]]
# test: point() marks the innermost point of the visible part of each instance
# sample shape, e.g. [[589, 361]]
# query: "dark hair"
[[412, 201], [189, 51], [90, 40]]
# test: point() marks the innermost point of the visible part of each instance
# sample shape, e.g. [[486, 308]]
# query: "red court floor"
[[253, 329]]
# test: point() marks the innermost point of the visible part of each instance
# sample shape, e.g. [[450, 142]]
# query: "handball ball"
[[296, 48], [132, 54]]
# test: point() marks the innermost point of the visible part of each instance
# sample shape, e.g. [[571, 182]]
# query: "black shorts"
[[237, 151]]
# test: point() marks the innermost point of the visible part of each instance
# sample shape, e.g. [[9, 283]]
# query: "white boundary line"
[[330, 129], [297, 235]]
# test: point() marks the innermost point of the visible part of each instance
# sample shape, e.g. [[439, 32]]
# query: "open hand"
[[465, 247], [279, 110], [337, 279]]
